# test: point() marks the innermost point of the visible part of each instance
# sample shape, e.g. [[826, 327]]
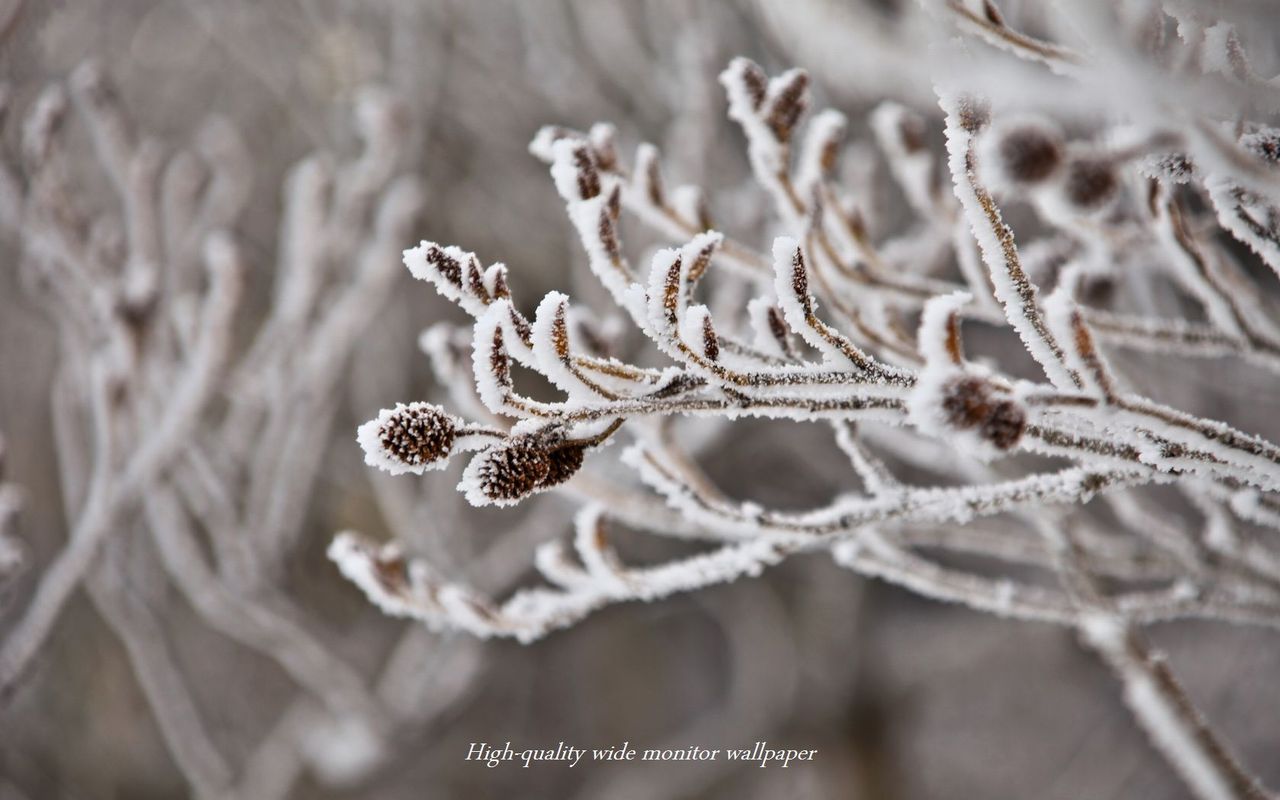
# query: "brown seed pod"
[[444, 263], [391, 571], [755, 81]]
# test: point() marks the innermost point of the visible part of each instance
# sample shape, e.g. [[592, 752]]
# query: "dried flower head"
[[409, 438]]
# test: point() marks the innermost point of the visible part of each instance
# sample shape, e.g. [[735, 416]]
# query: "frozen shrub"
[[825, 340]]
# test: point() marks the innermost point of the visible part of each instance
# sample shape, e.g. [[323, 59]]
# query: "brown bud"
[[778, 329], [608, 236], [521, 326], [787, 106], [499, 360], [475, 281], [755, 81], [799, 276], [445, 264], [702, 262], [500, 289], [614, 205]]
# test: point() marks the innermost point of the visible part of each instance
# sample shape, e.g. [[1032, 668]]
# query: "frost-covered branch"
[[829, 339]]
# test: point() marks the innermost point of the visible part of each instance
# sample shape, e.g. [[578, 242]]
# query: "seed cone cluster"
[[522, 465], [1030, 153], [971, 404]]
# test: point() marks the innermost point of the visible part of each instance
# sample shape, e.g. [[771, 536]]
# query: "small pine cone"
[[409, 438], [419, 434], [967, 402], [1264, 143], [1170, 167], [1005, 424], [1090, 183], [1023, 152], [513, 470], [564, 464]]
